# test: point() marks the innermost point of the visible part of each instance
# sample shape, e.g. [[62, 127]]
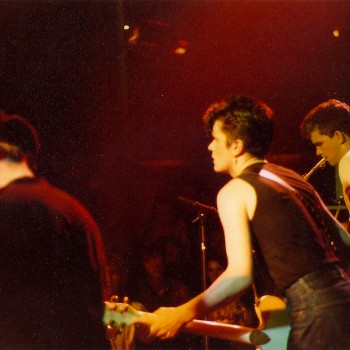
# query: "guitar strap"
[[336, 242], [320, 223], [268, 175]]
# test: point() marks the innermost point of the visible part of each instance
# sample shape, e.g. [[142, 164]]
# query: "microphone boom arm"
[[197, 204]]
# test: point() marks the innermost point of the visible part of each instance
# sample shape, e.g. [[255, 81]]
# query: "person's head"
[[19, 141], [215, 267], [238, 125], [328, 127], [152, 261]]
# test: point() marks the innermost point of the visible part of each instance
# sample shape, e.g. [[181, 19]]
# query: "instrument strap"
[[334, 242], [268, 175]]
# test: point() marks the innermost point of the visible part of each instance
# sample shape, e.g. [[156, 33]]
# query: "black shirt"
[[51, 262]]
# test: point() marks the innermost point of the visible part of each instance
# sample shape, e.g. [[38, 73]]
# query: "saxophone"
[[320, 164]]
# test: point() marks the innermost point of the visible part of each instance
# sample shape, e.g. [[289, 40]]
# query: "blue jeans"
[[319, 309]]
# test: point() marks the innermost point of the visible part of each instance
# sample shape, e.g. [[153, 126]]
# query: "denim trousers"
[[319, 308]]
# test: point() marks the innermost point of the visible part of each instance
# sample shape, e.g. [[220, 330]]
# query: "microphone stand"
[[201, 219], [197, 204]]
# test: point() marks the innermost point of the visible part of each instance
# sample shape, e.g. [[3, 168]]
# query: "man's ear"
[[237, 147], [340, 136]]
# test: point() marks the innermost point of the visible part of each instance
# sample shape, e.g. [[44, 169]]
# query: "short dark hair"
[[327, 118], [244, 118], [18, 138]]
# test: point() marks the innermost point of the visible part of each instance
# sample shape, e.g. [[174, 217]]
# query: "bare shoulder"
[[344, 168], [237, 194], [345, 159], [236, 187]]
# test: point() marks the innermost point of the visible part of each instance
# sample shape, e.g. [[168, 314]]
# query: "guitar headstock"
[[119, 314]]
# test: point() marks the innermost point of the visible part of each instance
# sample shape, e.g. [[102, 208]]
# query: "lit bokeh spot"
[[336, 33]]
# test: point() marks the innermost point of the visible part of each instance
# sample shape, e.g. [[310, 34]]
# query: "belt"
[[321, 278]]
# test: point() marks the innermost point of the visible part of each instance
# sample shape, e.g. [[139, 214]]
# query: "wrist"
[[187, 311]]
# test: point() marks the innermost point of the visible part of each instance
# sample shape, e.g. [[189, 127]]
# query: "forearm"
[[224, 287]]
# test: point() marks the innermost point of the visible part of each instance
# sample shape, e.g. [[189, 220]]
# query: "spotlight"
[[336, 33]]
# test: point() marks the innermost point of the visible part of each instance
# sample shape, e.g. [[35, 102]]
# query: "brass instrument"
[[320, 164]]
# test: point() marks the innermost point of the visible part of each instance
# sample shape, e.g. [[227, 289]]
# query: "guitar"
[[271, 334], [274, 320]]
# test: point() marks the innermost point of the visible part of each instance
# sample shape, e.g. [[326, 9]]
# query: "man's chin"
[[218, 170]]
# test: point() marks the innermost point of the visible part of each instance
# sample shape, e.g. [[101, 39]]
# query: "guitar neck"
[[227, 331], [214, 329]]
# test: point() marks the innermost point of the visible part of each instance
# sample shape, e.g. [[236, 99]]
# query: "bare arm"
[[344, 175], [236, 201]]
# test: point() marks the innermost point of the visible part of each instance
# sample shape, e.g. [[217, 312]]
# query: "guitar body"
[[271, 310]]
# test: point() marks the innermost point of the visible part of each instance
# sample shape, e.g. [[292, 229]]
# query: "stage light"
[[181, 48], [336, 33], [134, 36], [180, 51]]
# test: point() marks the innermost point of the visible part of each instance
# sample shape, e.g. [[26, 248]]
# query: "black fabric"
[[289, 236], [52, 258]]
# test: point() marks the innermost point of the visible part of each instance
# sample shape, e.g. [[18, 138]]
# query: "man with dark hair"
[[328, 128], [274, 212], [51, 253]]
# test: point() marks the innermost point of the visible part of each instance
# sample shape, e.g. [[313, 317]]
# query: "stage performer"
[[274, 212], [328, 127], [51, 253]]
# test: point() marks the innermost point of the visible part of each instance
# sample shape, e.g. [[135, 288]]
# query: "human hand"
[[167, 323]]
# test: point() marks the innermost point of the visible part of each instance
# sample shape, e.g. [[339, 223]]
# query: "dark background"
[[120, 122]]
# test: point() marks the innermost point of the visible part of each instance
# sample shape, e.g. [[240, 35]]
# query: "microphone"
[[197, 204]]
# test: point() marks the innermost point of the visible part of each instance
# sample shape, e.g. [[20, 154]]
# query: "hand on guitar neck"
[[119, 315], [123, 315]]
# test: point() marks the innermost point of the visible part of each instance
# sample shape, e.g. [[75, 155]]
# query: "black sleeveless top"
[[289, 231]]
